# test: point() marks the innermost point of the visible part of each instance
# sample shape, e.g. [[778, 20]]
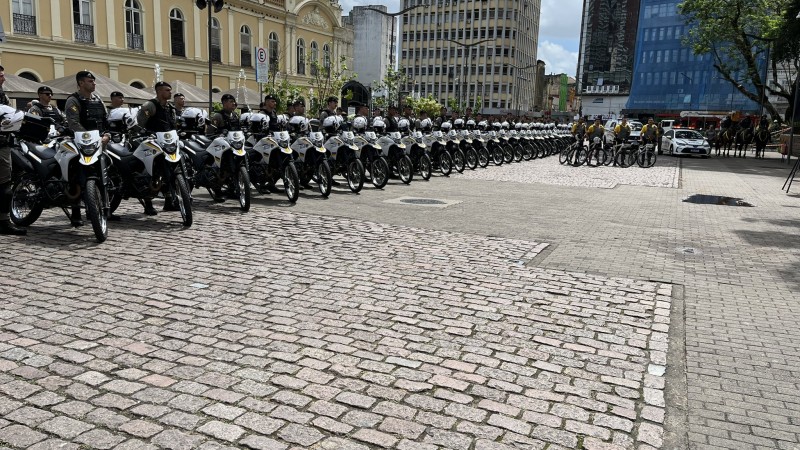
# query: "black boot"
[[75, 218], [148, 208], [170, 203]]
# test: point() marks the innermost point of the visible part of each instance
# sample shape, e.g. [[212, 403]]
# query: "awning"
[[104, 87], [18, 87]]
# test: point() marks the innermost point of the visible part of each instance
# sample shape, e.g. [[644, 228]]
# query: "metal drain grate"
[[422, 201]]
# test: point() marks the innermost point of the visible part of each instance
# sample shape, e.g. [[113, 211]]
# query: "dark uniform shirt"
[[4, 98], [84, 114], [49, 111], [223, 121], [155, 118]]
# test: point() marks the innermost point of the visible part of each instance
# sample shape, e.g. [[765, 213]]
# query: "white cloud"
[[560, 19], [557, 59]]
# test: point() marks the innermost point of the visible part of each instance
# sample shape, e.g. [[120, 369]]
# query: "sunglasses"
[[47, 93]]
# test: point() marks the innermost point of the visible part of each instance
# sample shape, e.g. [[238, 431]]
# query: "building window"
[[244, 42], [216, 42], [30, 76], [301, 57], [314, 58], [273, 52], [176, 33], [82, 15], [326, 59], [138, 85], [133, 25], [24, 18]]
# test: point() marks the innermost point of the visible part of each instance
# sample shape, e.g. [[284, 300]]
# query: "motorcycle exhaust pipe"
[[73, 196]]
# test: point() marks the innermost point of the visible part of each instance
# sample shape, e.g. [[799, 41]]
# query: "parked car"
[[685, 142], [667, 125], [636, 130]]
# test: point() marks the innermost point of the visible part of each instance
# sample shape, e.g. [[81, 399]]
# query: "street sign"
[[262, 65]]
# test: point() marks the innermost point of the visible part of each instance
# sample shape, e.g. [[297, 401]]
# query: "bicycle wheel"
[[563, 156], [646, 158]]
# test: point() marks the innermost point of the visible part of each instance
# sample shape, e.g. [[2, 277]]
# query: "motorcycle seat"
[[195, 146], [205, 140], [42, 152], [119, 150]]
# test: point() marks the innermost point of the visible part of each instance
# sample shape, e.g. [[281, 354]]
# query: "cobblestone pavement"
[[275, 329], [549, 171]]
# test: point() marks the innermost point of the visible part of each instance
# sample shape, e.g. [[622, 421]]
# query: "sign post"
[[262, 70]]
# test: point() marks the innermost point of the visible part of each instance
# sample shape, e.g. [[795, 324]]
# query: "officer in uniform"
[[43, 108], [227, 119], [330, 109], [117, 100], [300, 107], [179, 101], [269, 105], [6, 226], [85, 112], [391, 120], [156, 116]]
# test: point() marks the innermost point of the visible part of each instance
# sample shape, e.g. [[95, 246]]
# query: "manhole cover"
[[422, 201], [689, 250], [716, 200]]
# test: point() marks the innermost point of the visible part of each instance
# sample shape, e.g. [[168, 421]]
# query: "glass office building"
[[669, 77]]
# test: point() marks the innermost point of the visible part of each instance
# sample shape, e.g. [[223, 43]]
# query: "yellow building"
[[125, 39]]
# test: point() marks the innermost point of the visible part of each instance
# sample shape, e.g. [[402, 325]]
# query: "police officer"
[[300, 107], [330, 109], [392, 120], [227, 119], [650, 132], [85, 111], [43, 108], [179, 101], [270, 103], [6, 226], [117, 100], [156, 116], [622, 132]]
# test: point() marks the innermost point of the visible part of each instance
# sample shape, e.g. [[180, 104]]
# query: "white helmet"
[[518, 126], [282, 119], [496, 125], [258, 119], [244, 118], [446, 126], [360, 123], [378, 124], [10, 119], [121, 116], [426, 124], [470, 124], [197, 115], [458, 123], [483, 125], [504, 125], [330, 124], [403, 124], [297, 124]]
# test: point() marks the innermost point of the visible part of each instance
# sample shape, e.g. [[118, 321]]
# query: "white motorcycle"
[[345, 159], [271, 159], [221, 167]]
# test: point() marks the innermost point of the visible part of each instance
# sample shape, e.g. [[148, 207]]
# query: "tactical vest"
[[624, 132], [597, 131], [92, 114], [4, 98], [162, 120], [273, 121], [231, 121], [649, 132], [52, 113], [391, 124]]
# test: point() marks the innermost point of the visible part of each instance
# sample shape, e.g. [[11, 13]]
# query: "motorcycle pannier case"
[[35, 128]]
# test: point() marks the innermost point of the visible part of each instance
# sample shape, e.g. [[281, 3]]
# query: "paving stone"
[[29, 416], [299, 434], [140, 428], [262, 443], [99, 439], [375, 437], [20, 436], [177, 440], [259, 423], [220, 430], [65, 427]]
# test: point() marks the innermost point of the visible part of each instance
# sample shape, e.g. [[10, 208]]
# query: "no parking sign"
[[262, 65]]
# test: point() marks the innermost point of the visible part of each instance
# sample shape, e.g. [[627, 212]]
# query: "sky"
[[559, 31]]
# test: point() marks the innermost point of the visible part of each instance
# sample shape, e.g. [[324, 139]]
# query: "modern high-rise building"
[[477, 52], [669, 77], [374, 43], [606, 55]]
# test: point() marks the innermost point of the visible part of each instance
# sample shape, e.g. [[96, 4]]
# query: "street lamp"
[[517, 85], [463, 59], [393, 16], [217, 6]]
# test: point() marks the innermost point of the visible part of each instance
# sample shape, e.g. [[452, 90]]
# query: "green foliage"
[[478, 105], [391, 84], [327, 79], [736, 34], [283, 91], [456, 108], [427, 104]]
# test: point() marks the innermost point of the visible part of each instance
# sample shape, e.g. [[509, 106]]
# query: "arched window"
[[29, 76], [326, 59], [24, 17], [245, 43], [314, 58], [137, 84], [216, 47], [273, 52], [301, 57], [176, 33], [133, 25]]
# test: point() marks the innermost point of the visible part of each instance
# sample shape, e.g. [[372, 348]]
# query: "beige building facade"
[[125, 39]]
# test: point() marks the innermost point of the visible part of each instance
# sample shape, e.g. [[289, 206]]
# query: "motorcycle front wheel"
[[184, 198], [497, 156], [405, 169], [94, 210], [458, 161], [471, 157], [324, 178], [445, 164], [379, 171], [355, 176], [483, 158], [24, 210], [291, 182], [425, 167], [243, 181]]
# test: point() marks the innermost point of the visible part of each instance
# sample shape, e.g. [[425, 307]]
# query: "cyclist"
[[621, 134], [596, 130], [650, 134], [579, 128]]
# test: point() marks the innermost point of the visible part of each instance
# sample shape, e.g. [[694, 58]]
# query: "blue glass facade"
[[668, 76]]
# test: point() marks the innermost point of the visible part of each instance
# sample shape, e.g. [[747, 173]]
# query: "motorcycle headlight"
[[87, 150], [237, 145], [283, 143], [170, 148]]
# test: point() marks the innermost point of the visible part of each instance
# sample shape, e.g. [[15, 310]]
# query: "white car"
[[685, 142], [636, 130]]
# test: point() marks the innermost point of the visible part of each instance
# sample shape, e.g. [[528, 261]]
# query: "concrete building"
[[479, 53], [373, 45], [124, 39], [606, 55]]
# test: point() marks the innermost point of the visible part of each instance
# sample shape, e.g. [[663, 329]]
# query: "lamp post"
[[217, 5], [393, 16], [467, 47], [516, 84]]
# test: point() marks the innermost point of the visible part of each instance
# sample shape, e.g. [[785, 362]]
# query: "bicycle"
[[646, 155]]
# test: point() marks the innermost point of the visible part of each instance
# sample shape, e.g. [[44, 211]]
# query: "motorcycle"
[[418, 152], [312, 161], [271, 159], [344, 157], [393, 150], [452, 145], [371, 158], [437, 144], [156, 164], [221, 166]]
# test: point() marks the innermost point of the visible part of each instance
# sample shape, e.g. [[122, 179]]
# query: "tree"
[[427, 104], [283, 91], [391, 84], [787, 51], [327, 79], [737, 33]]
